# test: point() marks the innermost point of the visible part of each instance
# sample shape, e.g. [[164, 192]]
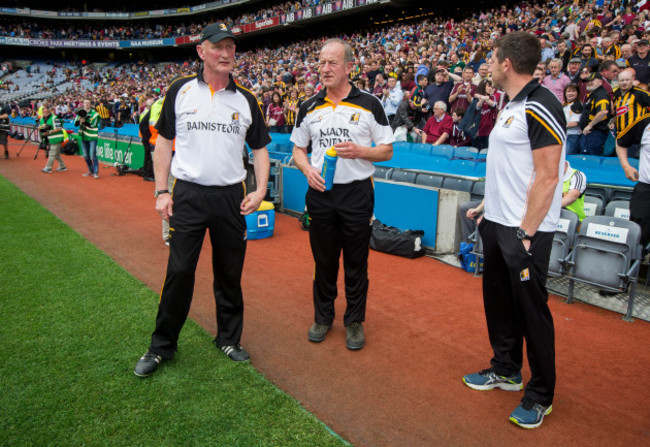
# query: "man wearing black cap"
[[641, 62], [594, 117], [208, 118]]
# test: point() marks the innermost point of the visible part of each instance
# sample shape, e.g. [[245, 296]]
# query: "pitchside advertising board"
[[124, 150]]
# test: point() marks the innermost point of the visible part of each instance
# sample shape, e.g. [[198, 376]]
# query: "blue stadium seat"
[[457, 184], [401, 146], [442, 150], [478, 191], [464, 167], [403, 176], [420, 148], [465, 152], [429, 180], [383, 172], [584, 161]]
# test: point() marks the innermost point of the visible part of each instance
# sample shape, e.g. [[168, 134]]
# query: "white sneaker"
[[87, 174], [96, 176]]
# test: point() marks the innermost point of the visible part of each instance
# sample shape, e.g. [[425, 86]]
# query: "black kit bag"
[[71, 147], [405, 243]]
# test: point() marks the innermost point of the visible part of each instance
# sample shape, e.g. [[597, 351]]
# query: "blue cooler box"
[[260, 224]]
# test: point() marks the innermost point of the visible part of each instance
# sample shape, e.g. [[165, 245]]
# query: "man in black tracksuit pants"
[[208, 118], [523, 196], [343, 117]]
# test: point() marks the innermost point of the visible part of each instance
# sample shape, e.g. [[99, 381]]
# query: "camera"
[[81, 113]]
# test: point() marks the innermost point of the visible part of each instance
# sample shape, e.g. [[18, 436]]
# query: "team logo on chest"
[[508, 122], [235, 118], [354, 119]]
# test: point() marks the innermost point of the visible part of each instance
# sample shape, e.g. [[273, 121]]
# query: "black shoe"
[[6, 154], [236, 353], [354, 338], [148, 179], [317, 332], [606, 293], [147, 364]]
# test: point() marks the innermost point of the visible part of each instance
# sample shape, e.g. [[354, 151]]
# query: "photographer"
[[50, 127], [88, 121], [5, 111]]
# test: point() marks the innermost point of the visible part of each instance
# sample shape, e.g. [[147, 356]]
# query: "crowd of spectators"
[[432, 75], [94, 30]]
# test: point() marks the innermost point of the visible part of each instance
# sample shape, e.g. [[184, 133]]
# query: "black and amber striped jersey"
[[104, 112], [598, 101], [613, 50], [631, 107], [290, 116]]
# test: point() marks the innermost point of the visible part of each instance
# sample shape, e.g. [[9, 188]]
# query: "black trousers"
[[196, 208], [640, 210], [516, 306], [147, 166], [341, 220]]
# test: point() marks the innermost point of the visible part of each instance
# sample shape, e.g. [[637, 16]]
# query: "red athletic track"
[[425, 329]]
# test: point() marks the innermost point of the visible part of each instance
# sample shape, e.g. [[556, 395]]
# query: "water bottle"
[[329, 167]]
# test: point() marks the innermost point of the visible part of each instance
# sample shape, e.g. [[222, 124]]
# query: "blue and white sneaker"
[[529, 414], [489, 380]]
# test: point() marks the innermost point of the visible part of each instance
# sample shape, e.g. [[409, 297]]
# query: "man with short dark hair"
[[641, 62], [209, 193], [523, 196], [440, 89]]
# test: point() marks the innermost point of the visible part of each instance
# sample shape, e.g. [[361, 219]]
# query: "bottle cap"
[[331, 152]]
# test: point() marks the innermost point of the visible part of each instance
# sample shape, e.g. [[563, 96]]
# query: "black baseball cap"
[[642, 42], [593, 76], [216, 32]]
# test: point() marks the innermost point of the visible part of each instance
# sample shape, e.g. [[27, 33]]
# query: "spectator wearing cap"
[[556, 81], [641, 62], [573, 69], [593, 121]]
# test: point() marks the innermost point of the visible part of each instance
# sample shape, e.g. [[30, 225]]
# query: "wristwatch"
[[162, 191], [521, 234]]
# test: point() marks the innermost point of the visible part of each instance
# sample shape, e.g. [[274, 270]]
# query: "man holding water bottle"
[[348, 120]]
